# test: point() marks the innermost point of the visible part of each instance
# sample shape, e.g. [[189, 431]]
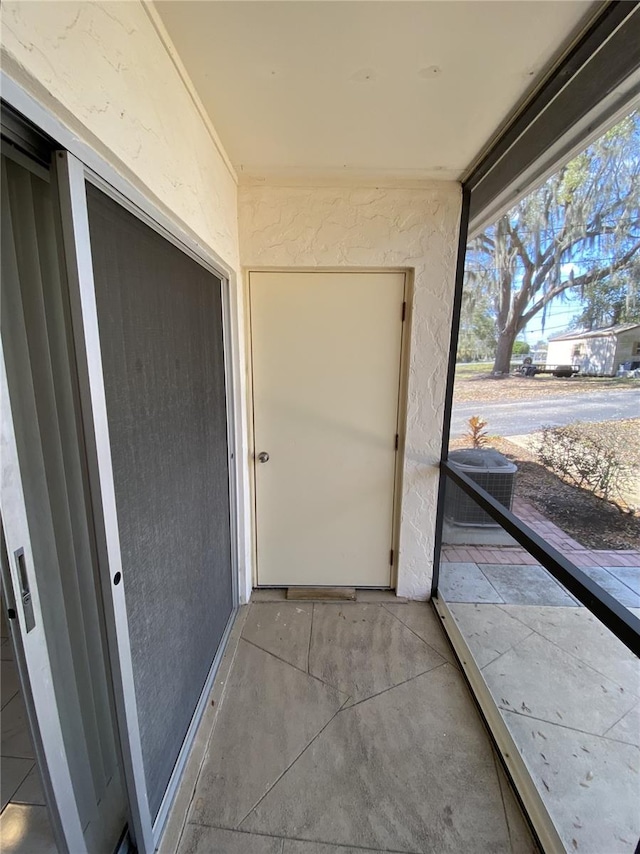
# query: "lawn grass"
[[465, 370], [473, 381]]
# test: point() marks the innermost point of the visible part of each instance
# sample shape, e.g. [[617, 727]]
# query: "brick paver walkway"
[[555, 536]]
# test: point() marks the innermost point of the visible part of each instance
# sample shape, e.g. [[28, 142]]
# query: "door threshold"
[[333, 594], [363, 595]]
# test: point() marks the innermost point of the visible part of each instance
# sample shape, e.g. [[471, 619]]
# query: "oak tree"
[[578, 231]]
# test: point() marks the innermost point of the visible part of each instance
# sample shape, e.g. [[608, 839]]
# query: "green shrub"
[[584, 460]]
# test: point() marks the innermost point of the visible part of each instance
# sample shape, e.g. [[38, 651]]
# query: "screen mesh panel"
[[160, 323]]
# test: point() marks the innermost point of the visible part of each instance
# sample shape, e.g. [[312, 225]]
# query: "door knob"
[[263, 457]]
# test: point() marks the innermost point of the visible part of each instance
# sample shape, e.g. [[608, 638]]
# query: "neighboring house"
[[598, 352]]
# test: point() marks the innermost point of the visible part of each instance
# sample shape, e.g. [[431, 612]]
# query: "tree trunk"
[[506, 340]]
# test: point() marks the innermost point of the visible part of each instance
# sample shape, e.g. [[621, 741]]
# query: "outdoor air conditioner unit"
[[490, 470]]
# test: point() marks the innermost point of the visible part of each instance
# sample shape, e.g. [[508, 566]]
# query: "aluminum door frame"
[[33, 662], [72, 175]]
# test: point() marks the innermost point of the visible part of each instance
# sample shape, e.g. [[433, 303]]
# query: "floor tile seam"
[[533, 566], [16, 756], [500, 654], [561, 725], [266, 835], [513, 616], [291, 764], [490, 583], [274, 655], [576, 657], [392, 687], [619, 740], [404, 625], [298, 669], [619, 580], [5, 702], [622, 717], [13, 793]]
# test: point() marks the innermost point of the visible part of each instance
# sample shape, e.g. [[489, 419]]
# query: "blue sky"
[[560, 312]]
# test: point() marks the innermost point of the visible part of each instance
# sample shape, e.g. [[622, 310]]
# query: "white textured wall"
[[109, 73], [360, 227], [104, 70]]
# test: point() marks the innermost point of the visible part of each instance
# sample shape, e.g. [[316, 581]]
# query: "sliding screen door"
[[161, 339]]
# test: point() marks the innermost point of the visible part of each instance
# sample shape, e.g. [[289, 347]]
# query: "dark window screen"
[[160, 322]]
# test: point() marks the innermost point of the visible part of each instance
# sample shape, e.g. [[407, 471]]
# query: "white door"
[[326, 366]]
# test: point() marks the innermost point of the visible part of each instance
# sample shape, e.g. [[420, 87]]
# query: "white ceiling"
[[388, 89]]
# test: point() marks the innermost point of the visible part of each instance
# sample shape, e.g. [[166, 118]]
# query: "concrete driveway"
[[517, 417]]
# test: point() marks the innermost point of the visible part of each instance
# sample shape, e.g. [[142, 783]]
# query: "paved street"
[[517, 417]]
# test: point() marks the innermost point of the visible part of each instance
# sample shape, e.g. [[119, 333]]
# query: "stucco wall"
[[109, 73], [103, 69], [360, 227]]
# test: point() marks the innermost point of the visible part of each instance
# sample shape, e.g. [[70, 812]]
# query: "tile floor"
[[345, 728], [567, 689], [24, 822]]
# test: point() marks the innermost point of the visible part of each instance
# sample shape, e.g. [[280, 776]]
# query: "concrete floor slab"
[[578, 632], [198, 839], [520, 837], [465, 582], [627, 728], [629, 575], [268, 594], [613, 585], [423, 620], [363, 649], [26, 830], [366, 595], [538, 679], [14, 772], [6, 653], [410, 769], [30, 790], [296, 846], [281, 628], [269, 713], [15, 737], [9, 682], [526, 585], [488, 630], [590, 785]]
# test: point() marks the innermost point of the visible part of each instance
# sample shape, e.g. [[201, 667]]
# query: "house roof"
[[604, 332], [364, 90]]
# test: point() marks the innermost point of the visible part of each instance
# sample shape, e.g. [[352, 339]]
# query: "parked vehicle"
[[629, 369], [529, 369]]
